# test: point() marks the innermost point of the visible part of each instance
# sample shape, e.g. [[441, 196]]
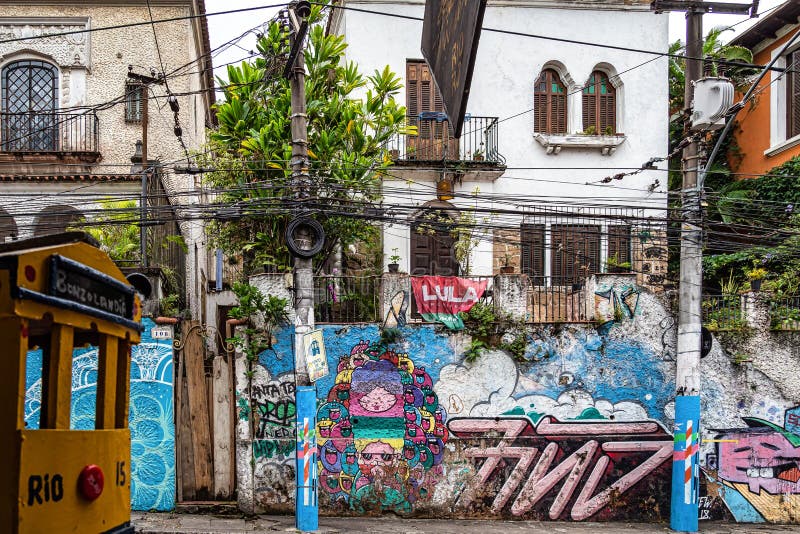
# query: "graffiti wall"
[[579, 427], [151, 420], [755, 470]]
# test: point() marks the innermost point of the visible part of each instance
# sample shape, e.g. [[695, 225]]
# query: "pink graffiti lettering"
[[597, 449]]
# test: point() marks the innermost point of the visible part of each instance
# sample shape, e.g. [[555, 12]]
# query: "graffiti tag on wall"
[[561, 470], [758, 469], [273, 409], [381, 433]]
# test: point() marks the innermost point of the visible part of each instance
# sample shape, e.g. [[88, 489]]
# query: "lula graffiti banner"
[[440, 298]]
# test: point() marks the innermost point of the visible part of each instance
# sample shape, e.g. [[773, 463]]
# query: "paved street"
[[162, 523]]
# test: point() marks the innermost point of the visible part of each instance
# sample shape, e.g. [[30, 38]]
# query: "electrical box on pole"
[[713, 97]]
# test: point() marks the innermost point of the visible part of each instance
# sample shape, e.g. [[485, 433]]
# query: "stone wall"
[[506, 250], [579, 427]]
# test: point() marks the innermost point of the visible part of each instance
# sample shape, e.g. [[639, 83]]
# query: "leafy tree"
[[714, 50], [351, 117], [117, 237], [764, 213]]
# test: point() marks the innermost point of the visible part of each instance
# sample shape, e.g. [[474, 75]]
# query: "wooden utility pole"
[[685, 466], [301, 245], [143, 83], [303, 272]]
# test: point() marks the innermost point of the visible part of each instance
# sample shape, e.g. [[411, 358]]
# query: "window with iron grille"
[[793, 94], [29, 103], [532, 248], [619, 248], [599, 105], [575, 252], [134, 101], [550, 103]]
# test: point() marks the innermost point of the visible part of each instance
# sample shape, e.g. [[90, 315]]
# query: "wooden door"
[[432, 251], [195, 465]]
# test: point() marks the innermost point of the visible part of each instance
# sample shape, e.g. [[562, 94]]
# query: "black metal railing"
[[346, 299], [48, 132], [558, 300], [434, 140], [784, 313], [722, 312]]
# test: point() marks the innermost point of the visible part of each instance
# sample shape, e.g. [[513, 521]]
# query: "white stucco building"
[[71, 116], [547, 121]]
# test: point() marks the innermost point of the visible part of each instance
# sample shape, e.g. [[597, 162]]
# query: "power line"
[[557, 39], [134, 24]]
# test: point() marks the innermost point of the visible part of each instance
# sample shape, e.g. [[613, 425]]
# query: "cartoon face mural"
[[759, 469], [378, 435]]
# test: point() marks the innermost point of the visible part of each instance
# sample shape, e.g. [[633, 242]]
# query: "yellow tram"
[[58, 293]]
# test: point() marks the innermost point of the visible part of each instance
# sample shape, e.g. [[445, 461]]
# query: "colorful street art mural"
[[585, 469], [580, 427], [381, 433], [580, 413], [151, 413], [615, 302], [755, 470]]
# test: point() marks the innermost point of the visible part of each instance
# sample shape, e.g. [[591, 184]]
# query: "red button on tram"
[[90, 482]]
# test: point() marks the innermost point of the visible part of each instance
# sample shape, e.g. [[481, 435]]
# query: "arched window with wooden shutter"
[[599, 105], [550, 103]]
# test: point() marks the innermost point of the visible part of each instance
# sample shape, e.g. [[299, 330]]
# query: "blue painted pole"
[[218, 271], [685, 468], [307, 510]]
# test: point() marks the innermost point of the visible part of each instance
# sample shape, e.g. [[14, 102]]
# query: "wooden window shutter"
[[549, 103], [619, 245], [575, 252], [540, 104], [793, 96], [589, 104], [559, 113], [412, 88], [558, 267], [532, 246], [599, 104], [590, 263], [608, 105]]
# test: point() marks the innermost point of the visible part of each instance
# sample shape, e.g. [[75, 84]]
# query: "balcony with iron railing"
[[50, 133], [433, 141]]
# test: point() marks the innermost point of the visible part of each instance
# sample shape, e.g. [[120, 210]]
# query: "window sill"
[[786, 145], [553, 143]]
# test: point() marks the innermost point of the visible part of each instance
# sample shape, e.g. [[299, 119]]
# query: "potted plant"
[[394, 261], [590, 130], [394, 154], [756, 275], [507, 268], [477, 155], [613, 265], [609, 130]]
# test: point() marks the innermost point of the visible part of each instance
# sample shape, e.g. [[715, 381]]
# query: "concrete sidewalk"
[[162, 523]]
